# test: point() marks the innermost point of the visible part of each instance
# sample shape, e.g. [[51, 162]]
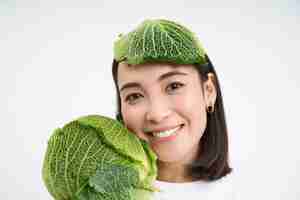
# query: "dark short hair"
[[212, 162]]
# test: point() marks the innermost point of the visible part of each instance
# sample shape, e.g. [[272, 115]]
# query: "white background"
[[55, 65]]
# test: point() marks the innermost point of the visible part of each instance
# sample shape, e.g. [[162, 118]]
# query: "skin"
[[162, 96]]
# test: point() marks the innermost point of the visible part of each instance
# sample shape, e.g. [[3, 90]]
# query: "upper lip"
[[156, 130]]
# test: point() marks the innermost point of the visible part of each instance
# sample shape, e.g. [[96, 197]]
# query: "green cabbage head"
[[97, 158], [159, 40]]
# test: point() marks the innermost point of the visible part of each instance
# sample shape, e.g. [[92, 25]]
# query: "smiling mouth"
[[166, 133]]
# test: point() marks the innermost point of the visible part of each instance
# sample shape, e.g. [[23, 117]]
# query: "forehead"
[[150, 71]]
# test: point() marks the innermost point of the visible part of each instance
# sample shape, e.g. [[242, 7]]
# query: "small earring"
[[210, 109]]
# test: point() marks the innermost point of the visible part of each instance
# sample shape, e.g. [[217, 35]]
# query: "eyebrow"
[[160, 78]]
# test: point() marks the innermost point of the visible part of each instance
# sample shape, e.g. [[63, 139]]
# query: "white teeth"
[[166, 133]]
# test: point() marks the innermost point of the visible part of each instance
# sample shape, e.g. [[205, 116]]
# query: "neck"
[[171, 172]]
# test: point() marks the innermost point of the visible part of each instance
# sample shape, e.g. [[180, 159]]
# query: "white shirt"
[[222, 189]]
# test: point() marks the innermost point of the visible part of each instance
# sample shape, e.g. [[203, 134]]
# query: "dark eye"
[[133, 98], [174, 86]]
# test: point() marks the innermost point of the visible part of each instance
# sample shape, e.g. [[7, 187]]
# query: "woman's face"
[[165, 105]]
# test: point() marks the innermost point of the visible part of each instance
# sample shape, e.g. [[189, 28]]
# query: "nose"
[[158, 110]]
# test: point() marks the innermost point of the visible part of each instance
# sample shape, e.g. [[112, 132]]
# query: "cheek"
[[190, 103], [133, 120], [192, 108], [129, 119]]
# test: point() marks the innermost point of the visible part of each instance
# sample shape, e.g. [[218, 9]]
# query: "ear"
[[210, 92]]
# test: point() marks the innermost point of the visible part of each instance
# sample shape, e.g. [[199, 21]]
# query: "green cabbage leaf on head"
[[97, 158], [159, 40]]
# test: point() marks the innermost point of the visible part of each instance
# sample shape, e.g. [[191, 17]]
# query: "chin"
[[170, 158], [180, 154]]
